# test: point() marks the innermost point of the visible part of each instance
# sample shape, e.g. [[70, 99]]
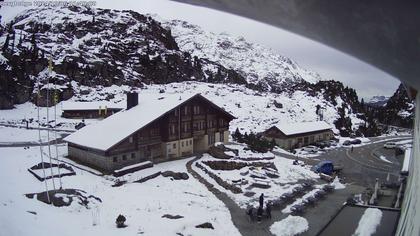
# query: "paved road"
[[363, 165]]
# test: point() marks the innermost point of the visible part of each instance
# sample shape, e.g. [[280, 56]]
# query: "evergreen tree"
[[273, 144], [237, 136], [6, 44]]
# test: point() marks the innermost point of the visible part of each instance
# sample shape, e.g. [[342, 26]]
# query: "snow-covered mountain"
[[377, 101], [258, 64]]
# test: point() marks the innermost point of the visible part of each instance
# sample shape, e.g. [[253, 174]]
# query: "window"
[[190, 142], [133, 155], [186, 127], [130, 139], [174, 145], [182, 143], [196, 110], [211, 124], [176, 112], [211, 139], [154, 132], [222, 137], [172, 130], [186, 143], [124, 157], [186, 110], [115, 159]]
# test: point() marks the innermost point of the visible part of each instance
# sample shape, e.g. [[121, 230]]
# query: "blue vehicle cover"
[[325, 167]]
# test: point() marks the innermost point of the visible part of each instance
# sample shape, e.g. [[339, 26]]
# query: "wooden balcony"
[[199, 117], [186, 135], [199, 132], [149, 140], [186, 118]]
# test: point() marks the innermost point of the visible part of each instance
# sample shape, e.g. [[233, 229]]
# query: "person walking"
[[351, 149], [261, 200]]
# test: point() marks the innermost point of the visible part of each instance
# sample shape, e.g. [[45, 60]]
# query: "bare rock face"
[[175, 175], [206, 225]]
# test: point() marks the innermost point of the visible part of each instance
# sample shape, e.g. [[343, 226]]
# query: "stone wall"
[[220, 181]]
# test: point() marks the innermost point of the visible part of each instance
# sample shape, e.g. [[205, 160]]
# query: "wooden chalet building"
[[290, 136], [160, 128]]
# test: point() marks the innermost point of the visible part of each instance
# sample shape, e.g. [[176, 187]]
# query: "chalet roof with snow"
[[303, 127], [112, 130], [94, 105]]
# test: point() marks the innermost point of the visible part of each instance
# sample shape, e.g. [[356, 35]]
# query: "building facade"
[[290, 136], [191, 126]]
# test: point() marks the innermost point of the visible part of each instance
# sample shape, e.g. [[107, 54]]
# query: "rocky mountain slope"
[[259, 65], [399, 109], [94, 47]]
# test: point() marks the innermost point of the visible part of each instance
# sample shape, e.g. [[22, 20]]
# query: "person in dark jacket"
[[261, 200]]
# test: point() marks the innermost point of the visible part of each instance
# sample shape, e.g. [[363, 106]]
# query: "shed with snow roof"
[[160, 128], [295, 135], [90, 110]]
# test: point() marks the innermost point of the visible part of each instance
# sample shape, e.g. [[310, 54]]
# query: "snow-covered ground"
[[368, 222], [10, 135], [143, 204], [383, 158], [291, 225]]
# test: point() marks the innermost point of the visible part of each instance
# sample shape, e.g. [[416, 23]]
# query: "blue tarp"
[[325, 167]]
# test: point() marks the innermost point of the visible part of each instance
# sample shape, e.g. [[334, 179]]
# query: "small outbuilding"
[[90, 110], [296, 135]]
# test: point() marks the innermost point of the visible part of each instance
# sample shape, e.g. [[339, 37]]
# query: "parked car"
[[356, 141], [311, 149], [390, 145], [333, 143], [347, 143], [323, 144]]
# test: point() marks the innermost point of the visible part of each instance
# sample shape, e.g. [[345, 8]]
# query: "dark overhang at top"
[[383, 33]]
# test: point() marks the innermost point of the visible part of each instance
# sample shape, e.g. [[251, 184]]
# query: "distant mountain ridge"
[[377, 101]]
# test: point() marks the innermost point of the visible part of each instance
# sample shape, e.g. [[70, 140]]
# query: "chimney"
[[132, 100]]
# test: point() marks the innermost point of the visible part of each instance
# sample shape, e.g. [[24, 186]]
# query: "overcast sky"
[[328, 62]]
